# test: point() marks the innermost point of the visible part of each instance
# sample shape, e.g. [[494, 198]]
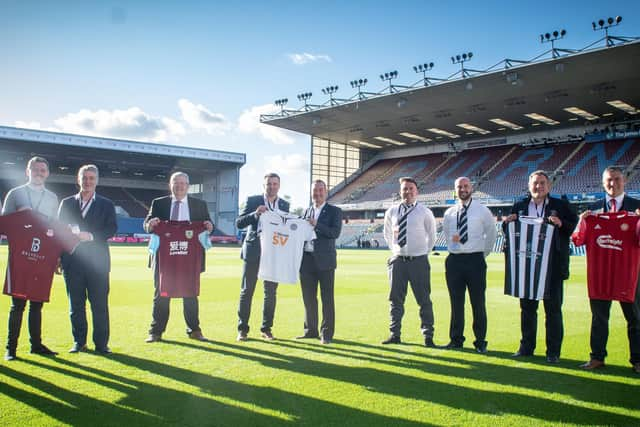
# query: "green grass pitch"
[[353, 382]]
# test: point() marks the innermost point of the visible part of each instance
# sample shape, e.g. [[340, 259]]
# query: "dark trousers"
[[416, 271], [600, 310], [160, 314], [15, 322], [247, 288], [83, 284], [553, 320], [467, 272], [310, 277]]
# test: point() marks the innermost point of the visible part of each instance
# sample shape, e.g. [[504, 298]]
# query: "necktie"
[[175, 212], [612, 205], [402, 227], [462, 226]]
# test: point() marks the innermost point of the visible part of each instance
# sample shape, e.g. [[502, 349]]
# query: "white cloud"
[[27, 125], [306, 58], [249, 122], [290, 164], [199, 117], [132, 123]]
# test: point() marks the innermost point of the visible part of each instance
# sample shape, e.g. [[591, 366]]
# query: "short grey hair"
[[89, 168], [177, 174]]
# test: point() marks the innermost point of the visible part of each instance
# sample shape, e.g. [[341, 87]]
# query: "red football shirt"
[[179, 258], [613, 254], [35, 244]]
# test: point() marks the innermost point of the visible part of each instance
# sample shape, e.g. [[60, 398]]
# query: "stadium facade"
[[132, 173]]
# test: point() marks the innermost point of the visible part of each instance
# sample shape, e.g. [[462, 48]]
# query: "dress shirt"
[[308, 246], [618, 201], [421, 230], [537, 211], [84, 207], [481, 228], [183, 212]]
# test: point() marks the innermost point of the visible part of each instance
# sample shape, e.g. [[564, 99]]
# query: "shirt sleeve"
[[430, 228], [388, 230], [579, 236], [490, 233], [154, 244], [205, 241]]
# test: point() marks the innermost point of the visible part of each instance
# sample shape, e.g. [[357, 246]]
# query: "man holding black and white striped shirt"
[[471, 233], [410, 232]]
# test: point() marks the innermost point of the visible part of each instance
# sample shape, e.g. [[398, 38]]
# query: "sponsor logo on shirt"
[[608, 242], [178, 247], [279, 239]]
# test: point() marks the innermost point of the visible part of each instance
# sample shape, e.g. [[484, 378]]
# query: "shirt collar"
[[79, 197], [173, 199], [618, 200]]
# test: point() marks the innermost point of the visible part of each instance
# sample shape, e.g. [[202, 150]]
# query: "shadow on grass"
[[549, 408], [144, 403]]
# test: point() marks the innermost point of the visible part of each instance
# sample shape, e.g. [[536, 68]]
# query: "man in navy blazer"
[[613, 181], [319, 265], [86, 271], [558, 213], [176, 207], [250, 253]]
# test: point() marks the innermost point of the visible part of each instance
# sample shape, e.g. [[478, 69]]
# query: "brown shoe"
[[267, 335], [636, 367], [154, 338], [592, 364], [197, 335], [242, 336]]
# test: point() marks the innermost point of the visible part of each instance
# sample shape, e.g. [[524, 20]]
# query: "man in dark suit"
[[319, 265], [613, 181], [558, 213], [250, 253], [86, 271], [176, 207]]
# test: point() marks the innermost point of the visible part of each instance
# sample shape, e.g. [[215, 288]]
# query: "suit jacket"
[[628, 204], [248, 219], [562, 234], [100, 221], [161, 208], [327, 231]]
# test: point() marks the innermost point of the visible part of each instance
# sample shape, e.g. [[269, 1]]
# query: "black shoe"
[[267, 335], [522, 353], [428, 342], [326, 341], [553, 360], [392, 340], [104, 350], [43, 350], [481, 348], [452, 346], [308, 336], [10, 355], [77, 348]]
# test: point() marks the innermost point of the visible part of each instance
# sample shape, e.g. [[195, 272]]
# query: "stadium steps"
[[632, 169], [423, 179], [498, 163], [382, 177], [132, 197], [556, 173]]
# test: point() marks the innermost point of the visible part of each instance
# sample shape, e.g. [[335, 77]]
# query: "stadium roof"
[[599, 84], [121, 158], [55, 138]]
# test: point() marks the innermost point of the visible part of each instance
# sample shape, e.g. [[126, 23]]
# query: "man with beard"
[[471, 233]]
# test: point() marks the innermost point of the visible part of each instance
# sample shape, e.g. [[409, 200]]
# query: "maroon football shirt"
[[35, 244], [179, 258], [613, 255]]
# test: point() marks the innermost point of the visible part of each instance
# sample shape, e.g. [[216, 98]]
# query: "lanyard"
[[35, 208], [271, 206], [84, 206], [540, 213]]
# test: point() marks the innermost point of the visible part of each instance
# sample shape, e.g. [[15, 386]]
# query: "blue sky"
[[199, 73]]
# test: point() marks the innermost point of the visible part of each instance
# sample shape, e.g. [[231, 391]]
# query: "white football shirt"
[[282, 240]]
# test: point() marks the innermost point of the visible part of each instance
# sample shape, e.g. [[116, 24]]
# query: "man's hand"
[[85, 236], [312, 221], [553, 219], [585, 214], [260, 210], [511, 218], [209, 226], [152, 223]]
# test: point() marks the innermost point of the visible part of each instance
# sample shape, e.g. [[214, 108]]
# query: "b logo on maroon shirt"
[[35, 245]]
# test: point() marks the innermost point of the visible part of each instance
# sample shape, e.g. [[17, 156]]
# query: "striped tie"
[[402, 226], [462, 226]]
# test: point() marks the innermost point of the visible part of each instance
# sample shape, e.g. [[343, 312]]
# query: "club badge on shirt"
[[188, 234]]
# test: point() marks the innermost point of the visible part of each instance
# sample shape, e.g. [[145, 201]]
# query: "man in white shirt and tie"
[[470, 230], [410, 232]]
